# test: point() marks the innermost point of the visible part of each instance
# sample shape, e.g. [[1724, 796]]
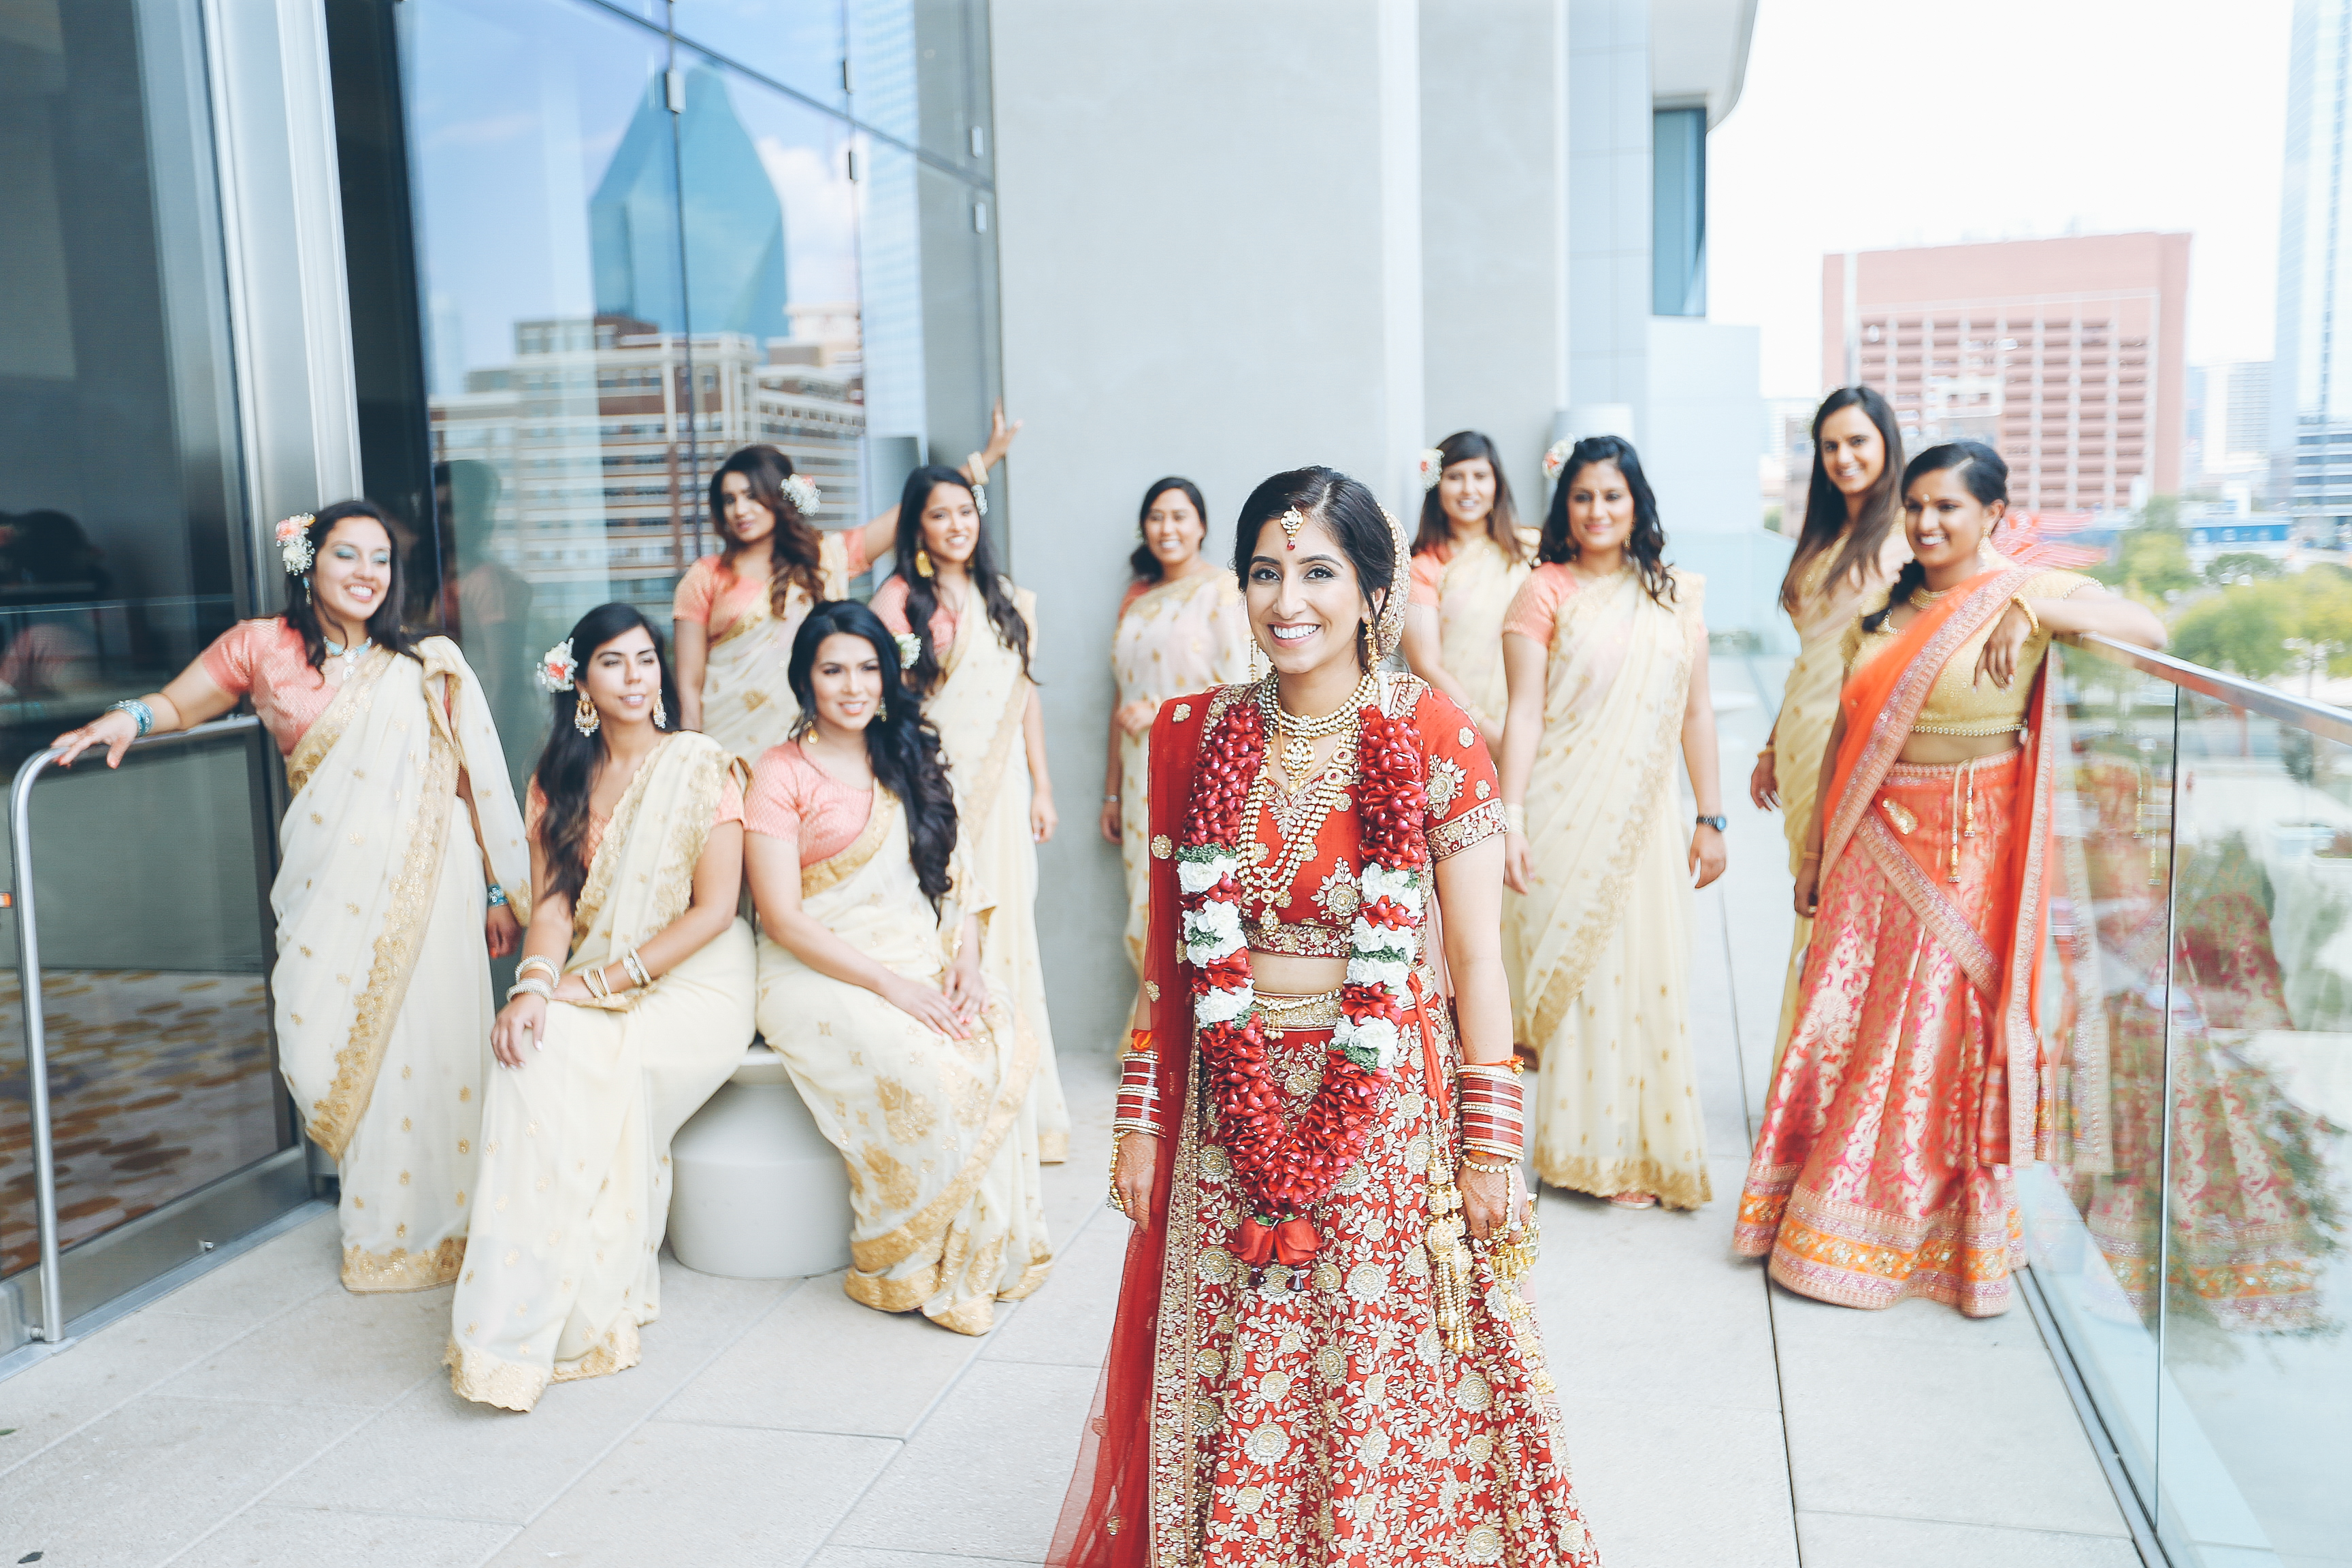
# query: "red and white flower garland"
[[1284, 1172]]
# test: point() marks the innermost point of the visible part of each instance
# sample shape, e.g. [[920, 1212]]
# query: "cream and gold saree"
[[978, 708], [1601, 940], [383, 980], [1476, 589], [573, 1191], [748, 705], [1174, 637], [939, 1134]]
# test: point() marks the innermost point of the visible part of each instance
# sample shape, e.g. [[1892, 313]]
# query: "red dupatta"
[[1880, 702]]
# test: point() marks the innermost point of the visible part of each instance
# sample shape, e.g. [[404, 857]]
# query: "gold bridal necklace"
[[1299, 735]]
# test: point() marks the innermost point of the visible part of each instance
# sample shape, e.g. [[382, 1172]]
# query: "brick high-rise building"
[[2066, 355]]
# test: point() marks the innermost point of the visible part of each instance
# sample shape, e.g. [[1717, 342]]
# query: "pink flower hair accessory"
[[294, 547]]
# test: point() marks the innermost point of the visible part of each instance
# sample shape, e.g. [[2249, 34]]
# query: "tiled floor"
[[262, 1416]]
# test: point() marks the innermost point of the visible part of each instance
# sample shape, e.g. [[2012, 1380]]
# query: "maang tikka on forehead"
[[1292, 521]]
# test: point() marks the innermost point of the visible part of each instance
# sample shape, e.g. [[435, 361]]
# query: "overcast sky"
[[1920, 122]]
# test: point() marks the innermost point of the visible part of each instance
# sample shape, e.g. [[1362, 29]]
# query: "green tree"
[[2236, 564], [2248, 627], [2151, 559]]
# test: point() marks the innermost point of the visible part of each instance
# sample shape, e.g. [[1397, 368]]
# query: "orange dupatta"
[[1880, 703]]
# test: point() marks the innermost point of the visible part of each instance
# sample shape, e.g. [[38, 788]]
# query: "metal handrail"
[[2318, 718], [28, 977]]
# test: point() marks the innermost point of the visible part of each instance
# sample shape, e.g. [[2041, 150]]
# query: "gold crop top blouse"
[[1954, 707]]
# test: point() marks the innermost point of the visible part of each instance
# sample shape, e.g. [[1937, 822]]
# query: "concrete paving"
[[261, 1415]]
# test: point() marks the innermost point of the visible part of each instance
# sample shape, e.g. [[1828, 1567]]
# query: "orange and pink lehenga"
[[1913, 1083], [1319, 1408]]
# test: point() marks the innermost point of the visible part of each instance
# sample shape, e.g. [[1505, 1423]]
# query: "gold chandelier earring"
[[1371, 645], [661, 714], [585, 717], [922, 561], [1259, 664]]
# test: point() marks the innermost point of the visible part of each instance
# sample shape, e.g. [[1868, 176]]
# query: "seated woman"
[[870, 988], [632, 1005]]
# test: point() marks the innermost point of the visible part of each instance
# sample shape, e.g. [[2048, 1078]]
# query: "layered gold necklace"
[[1299, 735]]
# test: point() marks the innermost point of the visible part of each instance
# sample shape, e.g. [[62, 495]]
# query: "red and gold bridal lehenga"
[[1350, 1405], [1915, 1077]]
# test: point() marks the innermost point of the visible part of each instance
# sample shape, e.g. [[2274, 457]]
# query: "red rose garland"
[[1284, 1172]]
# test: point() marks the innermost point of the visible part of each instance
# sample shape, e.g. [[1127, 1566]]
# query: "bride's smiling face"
[[1305, 608]]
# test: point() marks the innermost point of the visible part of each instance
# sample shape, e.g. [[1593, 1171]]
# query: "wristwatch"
[[1720, 824]]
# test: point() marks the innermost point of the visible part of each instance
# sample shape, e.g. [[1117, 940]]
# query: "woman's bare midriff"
[[1288, 974], [1936, 751]]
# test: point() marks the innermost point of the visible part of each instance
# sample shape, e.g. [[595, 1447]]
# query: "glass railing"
[[2187, 1232]]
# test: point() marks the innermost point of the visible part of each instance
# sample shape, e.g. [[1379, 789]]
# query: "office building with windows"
[[2311, 397]]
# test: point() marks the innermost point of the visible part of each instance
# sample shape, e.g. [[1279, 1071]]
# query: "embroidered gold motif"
[[1467, 736], [1338, 895], [1898, 814], [369, 1273], [1183, 712], [1160, 847], [1445, 781]]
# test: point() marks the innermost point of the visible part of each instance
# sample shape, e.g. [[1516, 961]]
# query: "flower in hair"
[[1555, 456], [979, 499], [294, 546], [801, 491], [1430, 466], [557, 668], [910, 646]]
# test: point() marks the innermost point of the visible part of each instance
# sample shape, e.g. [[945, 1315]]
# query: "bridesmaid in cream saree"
[[1606, 651], [1180, 628], [967, 635], [632, 1005], [873, 989], [397, 857], [1851, 548], [1468, 560]]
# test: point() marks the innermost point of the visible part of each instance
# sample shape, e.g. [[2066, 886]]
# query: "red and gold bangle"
[[1493, 1117], [1138, 1109]]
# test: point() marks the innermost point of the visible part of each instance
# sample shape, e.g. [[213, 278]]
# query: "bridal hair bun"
[[294, 546], [557, 668]]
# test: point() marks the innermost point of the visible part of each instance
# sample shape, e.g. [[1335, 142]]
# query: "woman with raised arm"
[[871, 987], [632, 1005], [1606, 650], [1310, 1363], [1913, 1081], [1468, 560], [735, 611], [1850, 548], [398, 858], [1180, 628], [966, 635]]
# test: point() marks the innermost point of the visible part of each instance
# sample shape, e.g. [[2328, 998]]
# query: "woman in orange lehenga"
[[1309, 1366], [1914, 1077]]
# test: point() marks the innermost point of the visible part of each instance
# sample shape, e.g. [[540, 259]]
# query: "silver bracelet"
[[141, 714], [538, 988]]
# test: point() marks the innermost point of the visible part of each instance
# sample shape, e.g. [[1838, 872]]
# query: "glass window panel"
[[921, 70], [800, 43], [771, 225], [2257, 1388], [543, 157], [162, 1076]]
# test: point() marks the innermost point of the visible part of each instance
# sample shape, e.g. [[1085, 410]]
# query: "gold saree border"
[[688, 829], [989, 780], [369, 1273], [351, 699], [1937, 913], [881, 825], [1555, 991], [1174, 1510], [407, 912]]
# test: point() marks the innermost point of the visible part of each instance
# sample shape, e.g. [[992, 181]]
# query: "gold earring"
[[661, 714], [882, 710], [585, 717], [922, 561], [1371, 648], [1258, 662]]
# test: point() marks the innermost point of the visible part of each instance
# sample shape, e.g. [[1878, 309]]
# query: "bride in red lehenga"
[[1322, 1354]]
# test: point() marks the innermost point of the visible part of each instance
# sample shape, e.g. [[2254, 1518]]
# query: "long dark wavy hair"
[[569, 764], [923, 593], [1825, 520], [1982, 470], [1146, 565], [1645, 547], [1502, 521], [303, 609], [791, 549], [900, 744], [1345, 506]]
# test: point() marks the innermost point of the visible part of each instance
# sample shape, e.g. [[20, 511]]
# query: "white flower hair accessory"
[[557, 668], [1555, 456], [1430, 466], [979, 499], [294, 547], [910, 646], [801, 491]]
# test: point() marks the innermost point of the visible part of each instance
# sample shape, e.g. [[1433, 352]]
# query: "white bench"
[[756, 1192]]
